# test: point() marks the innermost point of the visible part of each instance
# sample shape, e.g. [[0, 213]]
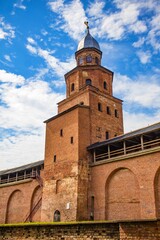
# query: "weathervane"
[[86, 23]]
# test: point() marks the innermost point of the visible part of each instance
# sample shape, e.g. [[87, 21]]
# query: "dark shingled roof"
[[22, 168], [126, 136]]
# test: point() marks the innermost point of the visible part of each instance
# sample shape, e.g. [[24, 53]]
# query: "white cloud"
[[154, 33], [20, 5], [56, 5], [73, 16], [27, 106], [141, 92], [116, 25], [44, 32], [127, 18], [31, 49], [139, 43], [3, 34], [8, 58], [144, 56], [6, 77], [21, 149], [133, 121], [23, 111], [6, 30], [59, 68], [96, 8], [138, 27], [31, 40]]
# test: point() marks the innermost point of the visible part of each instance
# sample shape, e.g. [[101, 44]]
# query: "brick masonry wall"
[[80, 231], [16, 200], [126, 189], [142, 230], [146, 230]]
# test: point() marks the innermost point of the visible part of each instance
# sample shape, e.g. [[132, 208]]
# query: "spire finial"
[[86, 23]]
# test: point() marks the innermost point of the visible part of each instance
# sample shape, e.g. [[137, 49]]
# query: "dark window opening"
[[92, 208], [21, 173], [4, 178], [57, 216], [71, 140], [100, 107], [89, 59], [38, 170], [54, 158], [61, 132], [104, 85], [12, 177], [108, 110], [107, 135], [81, 103], [115, 134], [88, 82], [116, 113], [72, 87], [97, 60]]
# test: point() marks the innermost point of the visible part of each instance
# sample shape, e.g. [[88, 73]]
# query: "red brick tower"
[[88, 114]]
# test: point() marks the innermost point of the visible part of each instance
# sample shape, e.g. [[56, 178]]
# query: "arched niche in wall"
[[15, 207], [36, 203], [122, 195], [157, 193]]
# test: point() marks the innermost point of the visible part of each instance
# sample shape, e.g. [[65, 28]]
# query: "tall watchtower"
[[89, 114]]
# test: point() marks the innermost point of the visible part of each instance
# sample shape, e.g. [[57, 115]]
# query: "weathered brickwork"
[[140, 230], [68, 170], [87, 185], [148, 230], [17, 199], [127, 189]]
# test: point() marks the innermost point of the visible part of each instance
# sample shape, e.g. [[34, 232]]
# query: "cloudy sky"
[[38, 39]]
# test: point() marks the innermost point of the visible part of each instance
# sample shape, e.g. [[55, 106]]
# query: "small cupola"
[[88, 41], [88, 51]]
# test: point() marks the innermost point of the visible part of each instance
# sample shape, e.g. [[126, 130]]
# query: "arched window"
[[72, 87], [104, 85], [57, 216], [96, 60], [89, 59], [88, 82]]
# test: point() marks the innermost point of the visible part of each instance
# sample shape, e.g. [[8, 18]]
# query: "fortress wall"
[[144, 230], [16, 200]]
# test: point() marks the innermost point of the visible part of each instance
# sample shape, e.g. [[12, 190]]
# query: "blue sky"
[[38, 39]]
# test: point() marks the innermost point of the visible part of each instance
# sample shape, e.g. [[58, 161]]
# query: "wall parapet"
[[107, 230]]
